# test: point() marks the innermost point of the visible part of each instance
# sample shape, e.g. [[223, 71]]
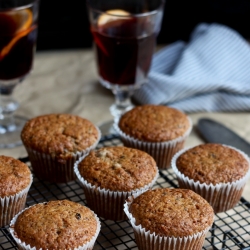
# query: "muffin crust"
[[56, 225], [59, 135], [14, 176], [212, 163], [154, 123], [118, 168], [172, 212]]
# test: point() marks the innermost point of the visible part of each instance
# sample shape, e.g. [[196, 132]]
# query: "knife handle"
[[215, 132]]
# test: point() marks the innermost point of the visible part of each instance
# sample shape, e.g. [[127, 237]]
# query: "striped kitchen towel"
[[209, 73]]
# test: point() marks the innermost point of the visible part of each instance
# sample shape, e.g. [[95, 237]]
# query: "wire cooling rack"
[[229, 231]]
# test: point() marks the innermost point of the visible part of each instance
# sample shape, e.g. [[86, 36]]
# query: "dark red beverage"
[[18, 33], [124, 50]]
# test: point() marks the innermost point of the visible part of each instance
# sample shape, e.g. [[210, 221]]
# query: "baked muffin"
[[158, 130], [217, 172], [54, 142], [110, 174], [166, 218], [15, 181], [60, 224]]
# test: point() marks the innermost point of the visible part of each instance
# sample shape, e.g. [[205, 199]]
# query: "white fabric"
[[209, 73]]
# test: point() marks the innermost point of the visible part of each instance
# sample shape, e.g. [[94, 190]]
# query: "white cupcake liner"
[[162, 152], [22, 245], [106, 203], [11, 205], [147, 240], [49, 168], [222, 196]]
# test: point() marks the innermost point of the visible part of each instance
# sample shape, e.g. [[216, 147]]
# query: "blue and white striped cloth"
[[209, 73]]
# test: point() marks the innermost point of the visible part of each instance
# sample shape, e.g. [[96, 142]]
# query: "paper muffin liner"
[[22, 245], [106, 203], [11, 205], [222, 196], [49, 168], [162, 152], [147, 240]]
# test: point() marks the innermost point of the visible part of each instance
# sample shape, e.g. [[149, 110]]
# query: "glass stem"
[[122, 102], [7, 108]]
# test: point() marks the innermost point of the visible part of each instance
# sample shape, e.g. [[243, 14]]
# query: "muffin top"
[[60, 224], [172, 212], [59, 135], [118, 168], [212, 163], [15, 176], [154, 123]]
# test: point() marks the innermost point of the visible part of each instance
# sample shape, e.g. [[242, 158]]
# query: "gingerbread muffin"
[[57, 225], [54, 142], [217, 172], [166, 218], [110, 174], [15, 182], [158, 130]]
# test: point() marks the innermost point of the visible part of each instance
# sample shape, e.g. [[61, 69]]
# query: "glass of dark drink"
[[18, 33], [124, 34]]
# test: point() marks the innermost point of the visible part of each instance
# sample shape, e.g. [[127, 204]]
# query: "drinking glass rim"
[[20, 7], [153, 12]]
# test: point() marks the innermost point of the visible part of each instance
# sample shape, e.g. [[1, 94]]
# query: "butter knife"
[[215, 132]]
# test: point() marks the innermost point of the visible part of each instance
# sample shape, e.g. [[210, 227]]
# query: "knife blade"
[[215, 132]]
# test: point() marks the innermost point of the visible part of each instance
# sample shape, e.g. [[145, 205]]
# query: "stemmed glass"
[[124, 34], [18, 33]]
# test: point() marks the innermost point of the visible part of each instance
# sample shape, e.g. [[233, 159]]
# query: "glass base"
[[117, 109], [10, 136]]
